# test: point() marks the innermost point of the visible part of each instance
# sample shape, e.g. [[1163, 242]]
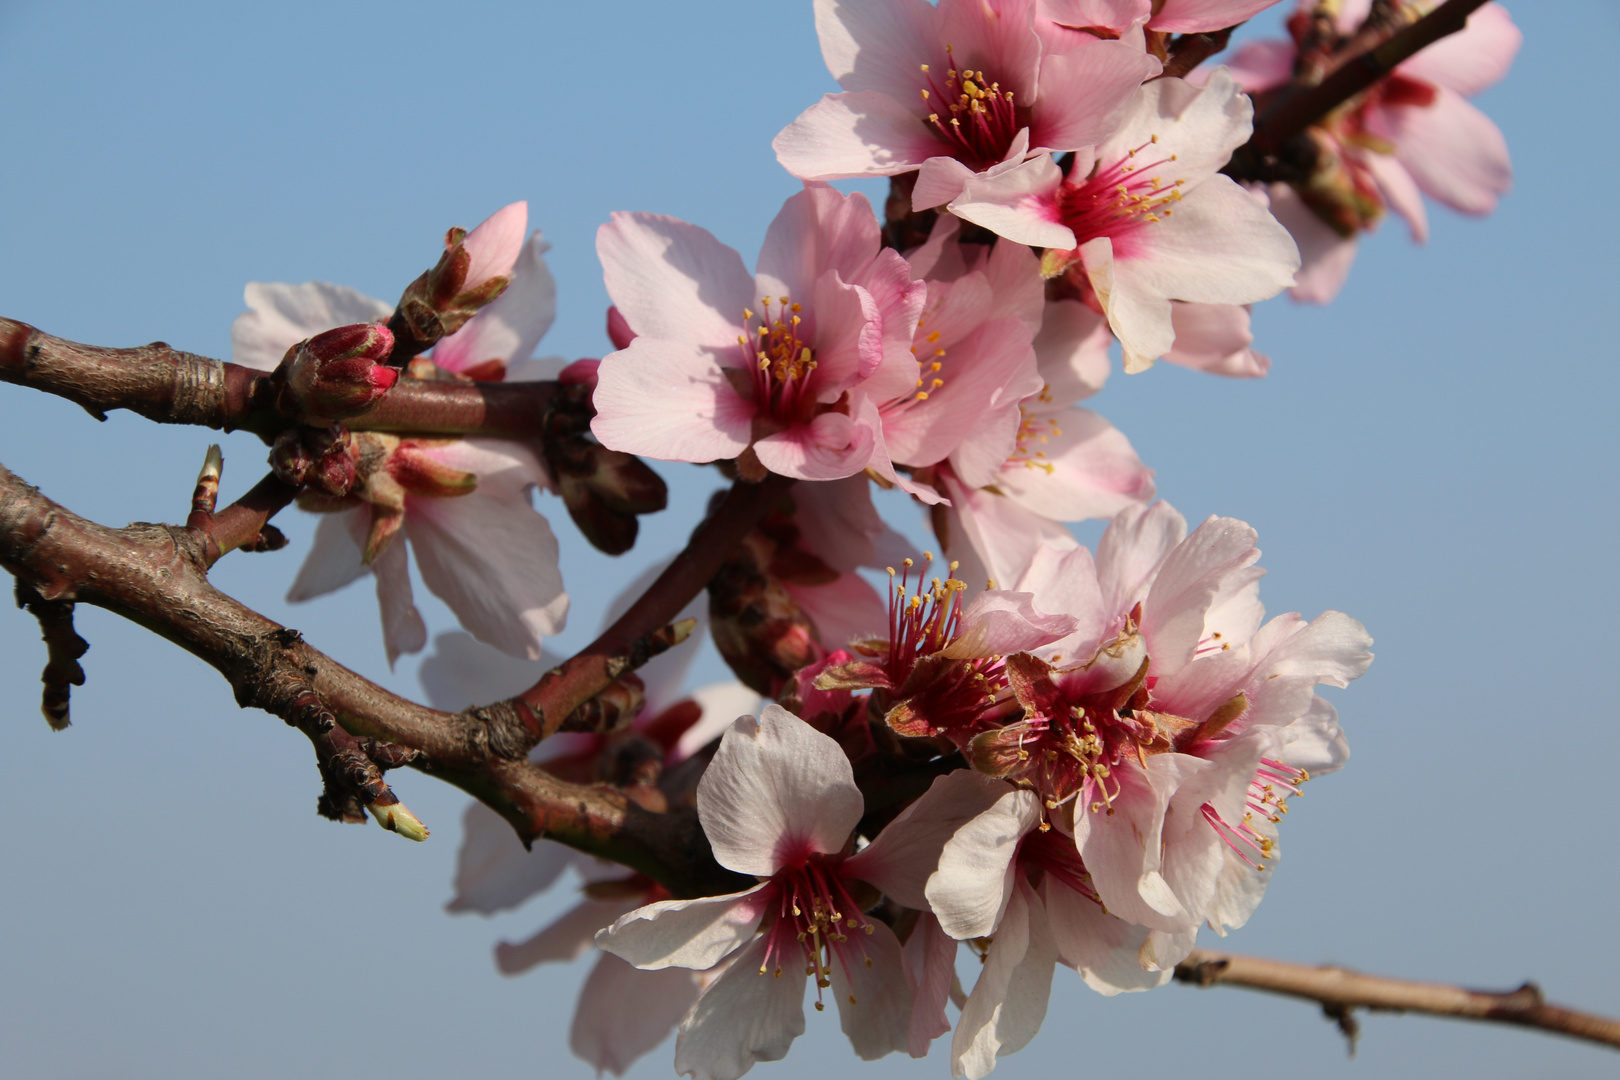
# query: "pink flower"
[[953, 91], [1145, 218], [708, 376], [1411, 134], [1169, 17], [778, 802]]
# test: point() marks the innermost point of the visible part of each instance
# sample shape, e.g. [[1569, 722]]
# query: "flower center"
[[782, 360], [1118, 200], [813, 919], [971, 112], [1050, 853]]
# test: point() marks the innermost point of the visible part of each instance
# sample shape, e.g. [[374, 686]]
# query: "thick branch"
[[1339, 990], [173, 387], [155, 576]]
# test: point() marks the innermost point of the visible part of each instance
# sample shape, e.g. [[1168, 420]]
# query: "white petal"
[[930, 955], [693, 934], [508, 328], [566, 939], [971, 889], [494, 871], [863, 133], [334, 556], [745, 1016], [901, 858], [1009, 1000], [1104, 948], [403, 628], [494, 562], [624, 1012], [1187, 584], [280, 315], [776, 790], [721, 703], [669, 400], [1130, 551], [873, 996]]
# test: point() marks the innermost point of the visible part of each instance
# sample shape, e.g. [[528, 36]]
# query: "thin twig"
[[1293, 111], [1339, 990]]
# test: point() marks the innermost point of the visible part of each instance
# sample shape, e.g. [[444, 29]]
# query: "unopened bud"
[[618, 329], [580, 373], [317, 457], [475, 268], [396, 818], [338, 374], [604, 490], [758, 627]]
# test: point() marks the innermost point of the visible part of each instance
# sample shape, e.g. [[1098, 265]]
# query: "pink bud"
[[580, 373], [493, 246], [618, 329], [339, 374]]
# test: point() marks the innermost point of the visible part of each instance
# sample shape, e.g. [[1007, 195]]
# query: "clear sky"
[[1435, 453]]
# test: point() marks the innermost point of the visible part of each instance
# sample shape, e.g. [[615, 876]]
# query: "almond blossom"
[[1144, 218], [778, 802], [463, 506], [1413, 134], [950, 92], [709, 377]]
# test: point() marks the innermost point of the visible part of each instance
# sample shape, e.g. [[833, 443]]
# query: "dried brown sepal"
[[63, 647], [605, 490], [611, 710]]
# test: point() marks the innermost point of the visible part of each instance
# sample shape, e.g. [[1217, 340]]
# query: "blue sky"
[[1435, 453]]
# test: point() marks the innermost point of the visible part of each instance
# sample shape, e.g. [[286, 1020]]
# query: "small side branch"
[[1190, 50], [1340, 991], [63, 647]]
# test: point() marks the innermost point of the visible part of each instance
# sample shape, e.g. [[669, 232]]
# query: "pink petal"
[[745, 1016], [1121, 848], [1071, 351], [1472, 60], [1187, 584], [993, 366], [625, 1013], [998, 39], [1138, 313], [1094, 471], [693, 934], [669, 400], [879, 44], [838, 523], [1115, 15], [1325, 256], [1453, 151], [494, 562], [1199, 126], [1002, 534], [776, 790], [674, 281], [334, 555], [493, 246], [1200, 16], [1018, 203], [863, 133], [1066, 582], [1400, 192], [1130, 551], [1262, 65], [1215, 338], [279, 316], [930, 955], [842, 610], [830, 447], [998, 622], [510, 326], [1085, 93], [817, 230]]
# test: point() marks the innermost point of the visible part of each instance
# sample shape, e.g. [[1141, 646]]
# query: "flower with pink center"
[[952, 92], [1412, 134], [778, 802], [1146, 732], [724, 365], [1144, 218]]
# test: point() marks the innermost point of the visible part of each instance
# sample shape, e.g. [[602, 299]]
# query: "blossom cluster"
[[1055, 756]]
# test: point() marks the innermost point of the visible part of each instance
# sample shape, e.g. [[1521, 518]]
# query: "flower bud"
[[758, 627], [475, 268], [604, 490], [618, 329], [338, 374], [318, 458]]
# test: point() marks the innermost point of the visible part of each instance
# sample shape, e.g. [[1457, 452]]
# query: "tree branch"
[[1298, 108], [1340, 990], [173, 387], [155, 575]]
